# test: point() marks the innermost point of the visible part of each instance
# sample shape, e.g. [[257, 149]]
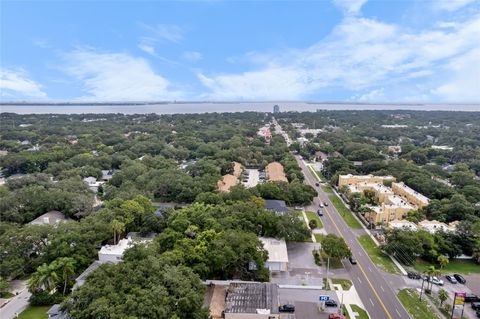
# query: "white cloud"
[[192, 56], [169, 32], [117, 76], [146, 48], [350, 7], [17, 84], [451, 5], [359, 55]]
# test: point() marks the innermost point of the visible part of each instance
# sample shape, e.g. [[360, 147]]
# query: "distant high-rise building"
[[276, 109]]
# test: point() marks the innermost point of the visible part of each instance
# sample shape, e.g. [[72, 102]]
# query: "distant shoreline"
[[218, 106]]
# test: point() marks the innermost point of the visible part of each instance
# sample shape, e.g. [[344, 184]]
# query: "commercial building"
[[276, 109], [251, 301], [277, 254]]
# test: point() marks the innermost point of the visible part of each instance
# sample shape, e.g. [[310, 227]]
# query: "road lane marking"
[[359, 279], [398, 312], [371, 302], [369, 268], [381, 287], [363, 272]]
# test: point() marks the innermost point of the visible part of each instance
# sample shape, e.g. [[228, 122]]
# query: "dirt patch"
[[275, 173]]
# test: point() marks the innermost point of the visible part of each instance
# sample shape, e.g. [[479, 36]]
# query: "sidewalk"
[[349, 297]]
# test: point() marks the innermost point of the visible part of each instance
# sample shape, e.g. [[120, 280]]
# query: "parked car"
[[476, 305], [325, 203], [319, 212], [331, 303], [469, 297], [451, 279], [298, 208], [414, 275], [286, 308], [352, 259], [335, 316], [460, 278], [478, 313], [436, 281]]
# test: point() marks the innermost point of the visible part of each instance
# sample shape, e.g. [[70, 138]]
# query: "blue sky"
[[339, 50]]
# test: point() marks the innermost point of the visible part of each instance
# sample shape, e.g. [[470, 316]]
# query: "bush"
[[316, 256], [45, 299], [312, 224]]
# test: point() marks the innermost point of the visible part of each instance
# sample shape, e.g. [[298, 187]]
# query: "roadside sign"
[[458, 305], [324, 298]]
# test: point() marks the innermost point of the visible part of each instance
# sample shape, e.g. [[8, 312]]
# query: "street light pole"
[[421, 291]]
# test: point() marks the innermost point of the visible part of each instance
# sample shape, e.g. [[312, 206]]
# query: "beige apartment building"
[[350, 179], [394, 202]]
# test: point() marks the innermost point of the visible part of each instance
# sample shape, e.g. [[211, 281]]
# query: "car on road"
[[476, 305], [469, 297], [460, 278], [286, 308], [317, 184], [319, 213], [325, 203], [414, 275], [321, 205], [478, 313], [298, 208], [352, 259], [451, 279], [331, 303], [434, 280]]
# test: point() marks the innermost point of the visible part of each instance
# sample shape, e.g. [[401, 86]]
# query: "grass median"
[[377, 256], [314, 216], [346, 214], [362, 314], [418, 309], [345, 283]]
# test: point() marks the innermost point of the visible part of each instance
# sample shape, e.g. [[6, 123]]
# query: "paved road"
[[377, 293], [16, 305]]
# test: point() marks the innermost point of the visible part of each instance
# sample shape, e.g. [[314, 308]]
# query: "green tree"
[[442, 295], [3, 286], [118, 229], [442, 261], [65, 267], [335, 247], [312, 224], [45, 278]]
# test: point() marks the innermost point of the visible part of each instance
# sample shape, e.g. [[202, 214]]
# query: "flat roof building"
[[251, 300], [277, 254], [277, 206]]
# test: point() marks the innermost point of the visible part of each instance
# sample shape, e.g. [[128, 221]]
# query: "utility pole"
[[328, 267]]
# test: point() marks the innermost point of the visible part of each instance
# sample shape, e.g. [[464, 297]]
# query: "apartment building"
[[350, 179], [410, 194]]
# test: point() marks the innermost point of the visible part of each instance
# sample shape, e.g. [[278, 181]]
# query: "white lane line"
[[371, 301], [359, 279], [369, 268], [381, 287], [398, 312]]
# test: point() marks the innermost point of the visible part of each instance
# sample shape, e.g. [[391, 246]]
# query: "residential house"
[[277, 206], [53, 217]]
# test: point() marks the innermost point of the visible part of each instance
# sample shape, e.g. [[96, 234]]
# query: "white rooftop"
[[117, 249], [277, 249], [412, 192]]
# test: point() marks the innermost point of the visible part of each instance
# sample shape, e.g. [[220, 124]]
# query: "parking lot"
[[251, 177], [306, 302]]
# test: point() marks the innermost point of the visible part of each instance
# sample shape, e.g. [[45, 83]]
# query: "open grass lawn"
[[417, 309], [454, 266], [347, 215], [327, 188], [319, 237], [346, 284], [38, 312], [362, 314], [314, 216], [318, 175], [378, 257]]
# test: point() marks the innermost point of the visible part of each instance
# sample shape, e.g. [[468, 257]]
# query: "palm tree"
[[431, 272], [443, 261], [45, 278], [118, 228], [442, 295], [66, 267]]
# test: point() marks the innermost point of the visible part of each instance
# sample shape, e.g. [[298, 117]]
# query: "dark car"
[[476, 305], [471, 297], [331, 303], [460, 278], [325, 203], [319, 212], [286, 308], [451, 279], [478, 313], [414, 275], [317, 184], [352, 259]]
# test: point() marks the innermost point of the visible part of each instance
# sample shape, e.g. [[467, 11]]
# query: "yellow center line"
[[363, 272]]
